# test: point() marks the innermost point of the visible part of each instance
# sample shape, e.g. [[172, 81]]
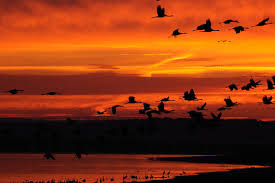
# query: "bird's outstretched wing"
[[213, 115], [220, 115], [203, 106]]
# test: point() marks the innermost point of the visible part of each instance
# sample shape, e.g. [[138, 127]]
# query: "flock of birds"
[[191, 96], [207, 27], [125, 178], [188, 96]]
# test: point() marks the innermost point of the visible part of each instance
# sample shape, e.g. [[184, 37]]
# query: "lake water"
[[20, 167]]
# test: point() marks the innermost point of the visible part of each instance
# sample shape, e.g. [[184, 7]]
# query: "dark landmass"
[[160, 136], [248, 142]]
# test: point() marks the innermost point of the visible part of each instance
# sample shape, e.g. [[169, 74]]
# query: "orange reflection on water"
[[20, 167]]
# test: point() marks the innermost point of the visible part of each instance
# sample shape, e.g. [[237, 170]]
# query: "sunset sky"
[[116, 47], [79, 37]]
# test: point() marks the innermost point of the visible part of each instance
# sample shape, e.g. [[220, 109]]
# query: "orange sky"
[[99, 37]]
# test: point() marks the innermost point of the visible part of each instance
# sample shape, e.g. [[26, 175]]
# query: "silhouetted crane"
[[161, 12], [132, 100], [230, 21], [100, 112], [161, 107], [149, 113], [264, 22], [254, 84], [247, 87], [202, 107], [233, 87], [146, 107], [114, 108], [229, 102], [267, 100], [166, 99], [270, 85], [239, 29], [14, 91], [216, 118], [189, 96], [273, 78], [51, 93], [207, 27], [177, 33]]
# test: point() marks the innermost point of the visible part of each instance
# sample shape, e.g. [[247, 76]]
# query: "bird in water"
[[49, 155], [202, 107], [177, 33], [267, 100], [14, 91], [161, 12], [233, 87], [264, 22]]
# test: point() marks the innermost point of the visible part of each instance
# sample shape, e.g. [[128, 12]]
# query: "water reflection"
[[96, 167]]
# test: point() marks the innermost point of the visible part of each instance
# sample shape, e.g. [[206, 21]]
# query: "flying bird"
[[270, 85], [189, 96], [239, 29], [202, 107], [216, 118], [14, 91], [114, 110], [255, 84], [161, 12], [233, 87], [229, 102], [267, 100], [230, 21], [247, 87], [146, 107], [100, 112], [177, 33], [51, 93], [264, 22], [132, 100], [207, 27], [166, 99]]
